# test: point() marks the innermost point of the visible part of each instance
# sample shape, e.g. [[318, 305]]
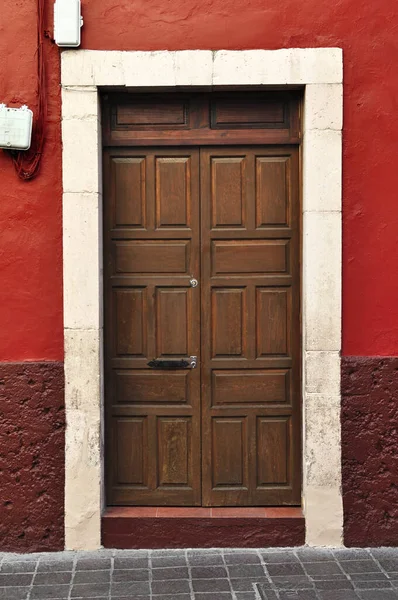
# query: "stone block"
[[322, 171], [82, 250]]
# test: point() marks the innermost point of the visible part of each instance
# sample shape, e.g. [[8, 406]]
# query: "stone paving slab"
[[214, 574]]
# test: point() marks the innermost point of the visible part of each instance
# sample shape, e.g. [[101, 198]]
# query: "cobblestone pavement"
[[269, 574]]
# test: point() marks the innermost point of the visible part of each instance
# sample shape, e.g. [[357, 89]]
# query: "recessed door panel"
[[151, 256], [158, 387], [172, 314], [228, 190], [131, 443], [229, 456], [273, 310], [174, 447], [273, 441], [129, 192], [129, 322], [173, 191], [250, 386], [250, 257], [151, 112], [228, 322], [272, 191]]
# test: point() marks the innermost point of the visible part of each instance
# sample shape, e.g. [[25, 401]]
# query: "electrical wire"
[[27, 163]]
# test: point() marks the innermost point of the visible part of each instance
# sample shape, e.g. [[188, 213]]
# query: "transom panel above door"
[[202, 325]]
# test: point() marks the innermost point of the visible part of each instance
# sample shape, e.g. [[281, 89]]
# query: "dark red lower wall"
[[32, 425], [370, 450]]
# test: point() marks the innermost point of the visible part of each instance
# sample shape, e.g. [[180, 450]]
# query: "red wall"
[[30, 213]]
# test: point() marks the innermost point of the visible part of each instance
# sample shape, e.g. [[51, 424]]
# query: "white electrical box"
[[15, 127], [67, 23]]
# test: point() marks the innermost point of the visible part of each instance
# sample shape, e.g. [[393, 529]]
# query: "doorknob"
[[194, 282]]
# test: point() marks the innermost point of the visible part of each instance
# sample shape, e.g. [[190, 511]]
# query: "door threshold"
[[148, 527]]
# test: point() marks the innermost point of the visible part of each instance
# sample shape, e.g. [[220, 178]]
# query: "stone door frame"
[[319, 71]]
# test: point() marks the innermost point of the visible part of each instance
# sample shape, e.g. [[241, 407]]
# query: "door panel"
[[250, 386], [273, 312], [175, 456], [152, 386], [129, 191], [130, 332], [152, 312], [250, 326], [229, 459], [228, 192], [272, 197], [173, 191], [151, 256], [131, 441], [228, 316], [173, 308], [250, 257], [273, 438]]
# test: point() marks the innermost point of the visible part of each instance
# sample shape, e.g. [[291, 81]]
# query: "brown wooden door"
[[228, 432], [250, 326], [151, 254]]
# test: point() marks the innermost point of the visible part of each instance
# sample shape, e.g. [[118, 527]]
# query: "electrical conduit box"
[[67, 23], [15, 127]]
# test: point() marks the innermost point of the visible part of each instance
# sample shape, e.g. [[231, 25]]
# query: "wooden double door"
[[202, 325]]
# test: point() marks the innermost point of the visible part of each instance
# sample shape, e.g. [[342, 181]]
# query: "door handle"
[[158, 363]]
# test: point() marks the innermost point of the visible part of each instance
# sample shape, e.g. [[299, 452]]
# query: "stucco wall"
[[32, 424], [370, 459], [30, 213]]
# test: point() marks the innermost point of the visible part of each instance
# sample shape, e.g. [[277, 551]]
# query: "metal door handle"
[[168, 364], [158, 363]]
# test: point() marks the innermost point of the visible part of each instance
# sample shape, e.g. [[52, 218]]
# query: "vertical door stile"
[[206, 325]]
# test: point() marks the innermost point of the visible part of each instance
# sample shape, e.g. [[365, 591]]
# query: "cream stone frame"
[[319, 70]]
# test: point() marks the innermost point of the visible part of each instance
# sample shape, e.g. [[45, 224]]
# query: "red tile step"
[[186, 527]]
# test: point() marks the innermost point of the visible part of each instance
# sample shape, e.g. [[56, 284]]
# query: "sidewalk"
[[268, 574]]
